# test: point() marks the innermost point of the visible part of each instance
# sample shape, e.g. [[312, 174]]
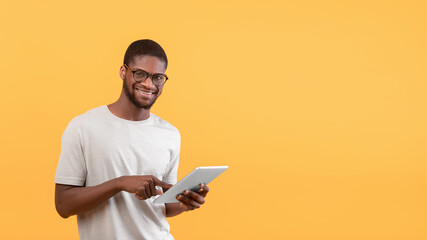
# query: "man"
[[115, 158]]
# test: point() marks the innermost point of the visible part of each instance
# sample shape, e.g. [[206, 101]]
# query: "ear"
[[122, 72]]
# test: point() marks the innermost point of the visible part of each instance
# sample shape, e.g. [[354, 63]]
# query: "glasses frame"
[[149, 75]]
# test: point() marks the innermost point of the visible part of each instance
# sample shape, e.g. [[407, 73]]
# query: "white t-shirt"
[[98, 146]]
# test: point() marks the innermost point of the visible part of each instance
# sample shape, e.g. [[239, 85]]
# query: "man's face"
[[144, 94]]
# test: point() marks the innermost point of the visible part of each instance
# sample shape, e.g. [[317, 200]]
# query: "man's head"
[[143, 56], [145, 47]]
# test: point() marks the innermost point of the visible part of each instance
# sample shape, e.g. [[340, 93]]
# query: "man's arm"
[[71, 200], [188, 201]]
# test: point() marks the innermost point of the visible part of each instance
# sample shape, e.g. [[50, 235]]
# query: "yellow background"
[[318, 107]]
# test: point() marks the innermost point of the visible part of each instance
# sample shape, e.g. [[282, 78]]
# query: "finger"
[[164, 185], [147, 189], [204, 190], [200, 191], [141, 192], [152, 187], [139, 196], [195, 196], [188, 201], [184, 204]]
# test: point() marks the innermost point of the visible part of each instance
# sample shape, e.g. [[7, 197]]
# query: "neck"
[[124, 108]]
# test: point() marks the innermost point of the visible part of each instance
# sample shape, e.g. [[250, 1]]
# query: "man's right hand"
[[144, 186], [71, 200]]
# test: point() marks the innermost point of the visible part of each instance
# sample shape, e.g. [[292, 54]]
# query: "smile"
[[144, 92]]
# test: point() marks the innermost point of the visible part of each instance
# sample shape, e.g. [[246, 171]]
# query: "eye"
[[158, 77], [140, 74]]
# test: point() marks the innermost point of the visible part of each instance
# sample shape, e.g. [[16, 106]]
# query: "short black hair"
[[145, 47]]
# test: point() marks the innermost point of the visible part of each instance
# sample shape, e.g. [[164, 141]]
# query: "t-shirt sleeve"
[[71, 168], [172, 169]]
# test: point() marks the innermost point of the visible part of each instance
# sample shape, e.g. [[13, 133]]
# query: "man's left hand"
[[190, 200]]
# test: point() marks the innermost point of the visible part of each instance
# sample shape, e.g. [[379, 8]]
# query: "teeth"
[[139, 90]]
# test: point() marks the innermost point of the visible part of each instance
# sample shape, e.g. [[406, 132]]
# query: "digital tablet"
[[192, 182]]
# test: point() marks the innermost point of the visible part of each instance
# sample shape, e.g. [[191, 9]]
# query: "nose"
[[148, 83]]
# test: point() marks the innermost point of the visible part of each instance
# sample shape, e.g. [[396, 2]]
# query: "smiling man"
[[116, 158]]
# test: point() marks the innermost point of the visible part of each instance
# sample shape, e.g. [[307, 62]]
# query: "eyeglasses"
[[140, 75]]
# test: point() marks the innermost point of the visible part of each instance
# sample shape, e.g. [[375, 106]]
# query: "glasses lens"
[[158, 79], [140, 76]]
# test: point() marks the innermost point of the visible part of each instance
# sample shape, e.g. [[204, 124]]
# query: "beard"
[[132, 98]]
